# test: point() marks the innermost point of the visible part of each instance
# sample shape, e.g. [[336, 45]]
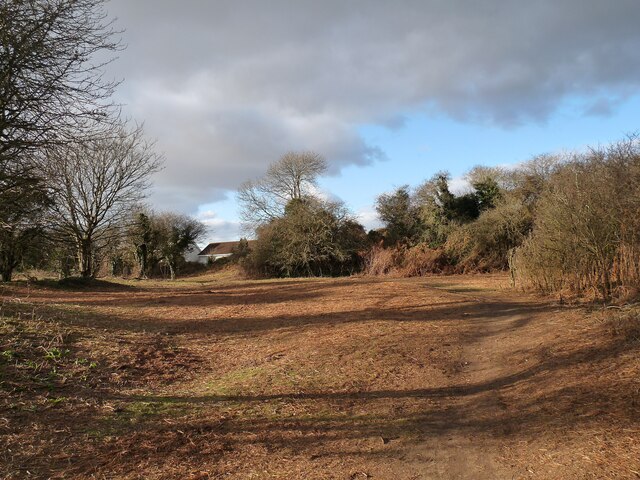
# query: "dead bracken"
[[326, 378]]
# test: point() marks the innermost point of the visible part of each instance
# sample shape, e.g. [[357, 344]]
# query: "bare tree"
[[95, 184], [290, 178], [50, 83], [51, 88]]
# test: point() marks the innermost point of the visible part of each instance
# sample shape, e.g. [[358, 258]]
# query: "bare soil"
[[455, 377]]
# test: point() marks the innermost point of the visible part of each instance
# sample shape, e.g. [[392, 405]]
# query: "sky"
[[388, 92]]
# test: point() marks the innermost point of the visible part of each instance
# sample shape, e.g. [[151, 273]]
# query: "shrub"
[[486, 243], [625, 324], [380, 261], [422, 260], [586, 236], [313, 238], [406, 262], [401, 216]]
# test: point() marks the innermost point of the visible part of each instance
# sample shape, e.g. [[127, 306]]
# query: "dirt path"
[[439, 378], [486, 358], [482, 361]]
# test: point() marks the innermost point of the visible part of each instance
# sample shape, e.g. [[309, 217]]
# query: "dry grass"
[[218, 377]]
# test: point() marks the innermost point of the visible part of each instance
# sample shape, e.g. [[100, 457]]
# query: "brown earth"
[[447, 377]]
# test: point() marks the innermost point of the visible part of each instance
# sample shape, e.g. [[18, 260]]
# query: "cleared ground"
[[354, 378]]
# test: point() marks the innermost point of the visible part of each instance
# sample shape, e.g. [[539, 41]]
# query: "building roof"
[[222, 248]]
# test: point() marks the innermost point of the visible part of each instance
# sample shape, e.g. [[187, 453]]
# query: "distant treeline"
[[566, 222], [558, 222]]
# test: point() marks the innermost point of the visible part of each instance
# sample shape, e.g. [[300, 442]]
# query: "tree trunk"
[[65, 267], [142, 256], [85, 258], [172, 270], [8, 264], [144, 267], [7, 273]]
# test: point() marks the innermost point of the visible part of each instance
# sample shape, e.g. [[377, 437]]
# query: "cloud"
[[228, 86], [368, 217], [459, 186], [219, 229]]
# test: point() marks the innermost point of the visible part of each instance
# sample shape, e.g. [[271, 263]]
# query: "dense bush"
[[433, 230], [587, 225], [312, 238], [557, 222], [487, 243], [400, 214]]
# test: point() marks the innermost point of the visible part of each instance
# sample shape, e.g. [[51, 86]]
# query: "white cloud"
[[459, 186], [219, 229], [228, 87], [368, 217]]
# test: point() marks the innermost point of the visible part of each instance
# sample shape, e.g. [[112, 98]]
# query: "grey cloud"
[[604, 105], [228, 86]]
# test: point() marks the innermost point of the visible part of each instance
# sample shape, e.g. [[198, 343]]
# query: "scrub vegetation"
[[560, 224]]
